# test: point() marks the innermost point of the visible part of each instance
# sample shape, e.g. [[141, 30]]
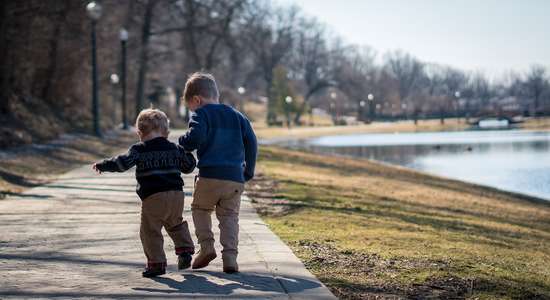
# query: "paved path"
[[78, 237]]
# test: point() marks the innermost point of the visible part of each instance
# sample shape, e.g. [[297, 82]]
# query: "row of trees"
[[272, 52], [276, 52]]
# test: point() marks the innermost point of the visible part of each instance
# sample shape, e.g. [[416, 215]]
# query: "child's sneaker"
[[154, 269], [148, 273], [230, 263], [184, 261]]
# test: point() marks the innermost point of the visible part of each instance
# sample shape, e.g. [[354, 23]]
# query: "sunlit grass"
[[410, 233], [377, 127]]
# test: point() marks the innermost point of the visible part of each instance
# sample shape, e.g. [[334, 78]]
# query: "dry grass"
[[368, 230], [536, 124], [265, 132], [324, 127]]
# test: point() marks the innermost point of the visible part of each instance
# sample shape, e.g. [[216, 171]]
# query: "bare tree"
[[203, 25], [144, 51], [536, 83], [310, 61], [270, 35], [407, 70]]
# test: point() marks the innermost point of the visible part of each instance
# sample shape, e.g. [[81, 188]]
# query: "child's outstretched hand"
[[96, 169]]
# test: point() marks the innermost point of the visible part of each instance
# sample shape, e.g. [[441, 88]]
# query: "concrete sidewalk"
[[78, 237]]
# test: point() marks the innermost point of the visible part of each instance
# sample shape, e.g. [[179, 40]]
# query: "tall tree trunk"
[[4, 69], [53, 53], [319, 86], [144, 53]]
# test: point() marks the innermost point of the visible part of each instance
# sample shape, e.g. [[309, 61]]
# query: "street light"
[[370, 97], [457, 96], [335, 116], [404, 109], [241, 90], [114, 79], [362, 104], [114, 82], [94, 12], [288, 101], [123, 39]]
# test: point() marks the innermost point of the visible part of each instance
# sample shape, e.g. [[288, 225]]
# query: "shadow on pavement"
[[226, 284], [24, 195]]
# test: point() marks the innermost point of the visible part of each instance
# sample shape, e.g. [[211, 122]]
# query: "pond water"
[[511, 160]]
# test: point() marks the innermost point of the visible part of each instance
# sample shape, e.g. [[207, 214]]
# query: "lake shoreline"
[[274, 134], [522, 196], [454, 155]]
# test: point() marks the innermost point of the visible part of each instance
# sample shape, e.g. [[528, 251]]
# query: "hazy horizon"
[[490, 36]]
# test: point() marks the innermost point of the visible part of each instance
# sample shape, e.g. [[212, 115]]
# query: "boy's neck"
[[152, 135], [206, 101]]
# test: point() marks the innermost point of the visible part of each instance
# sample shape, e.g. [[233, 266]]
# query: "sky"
[[491, 36]]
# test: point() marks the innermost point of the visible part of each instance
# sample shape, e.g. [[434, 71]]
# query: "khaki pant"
[[159, 210], [224, 196]]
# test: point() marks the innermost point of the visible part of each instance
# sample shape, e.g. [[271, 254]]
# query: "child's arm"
[[196, 133], [250, 149], [188, 161], [118, 163]]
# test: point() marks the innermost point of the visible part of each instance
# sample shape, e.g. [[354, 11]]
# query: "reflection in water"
[[515, 161]]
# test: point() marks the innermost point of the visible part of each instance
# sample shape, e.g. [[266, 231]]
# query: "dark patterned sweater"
[[159, 164]]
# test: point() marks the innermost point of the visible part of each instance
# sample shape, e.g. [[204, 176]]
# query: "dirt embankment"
[[31, 165], [372, 231]]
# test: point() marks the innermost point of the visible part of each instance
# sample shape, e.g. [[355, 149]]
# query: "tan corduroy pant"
[[159, 210], [224, 196]]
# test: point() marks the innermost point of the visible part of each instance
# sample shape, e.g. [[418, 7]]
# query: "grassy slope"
[[31, 165], [367, 229]]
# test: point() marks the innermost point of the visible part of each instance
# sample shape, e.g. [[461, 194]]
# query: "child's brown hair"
[[201, 84], [150, 120]]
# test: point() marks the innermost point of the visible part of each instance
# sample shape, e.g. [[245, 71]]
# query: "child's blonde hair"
[[150, 120]]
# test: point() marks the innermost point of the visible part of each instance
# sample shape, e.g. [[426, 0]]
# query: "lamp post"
[[288, 101], [123, 40], [457, 105], [241, 90], [362, 104], [115, 80], [370, 97], [94, 12], [334, 108]]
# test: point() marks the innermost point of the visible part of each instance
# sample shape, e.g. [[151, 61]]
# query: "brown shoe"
[[205, 256], [230, 264]]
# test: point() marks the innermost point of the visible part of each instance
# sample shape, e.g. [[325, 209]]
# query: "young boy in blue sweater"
[[226, 150]]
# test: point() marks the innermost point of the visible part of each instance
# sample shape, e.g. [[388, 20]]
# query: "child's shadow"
[[225, 284]]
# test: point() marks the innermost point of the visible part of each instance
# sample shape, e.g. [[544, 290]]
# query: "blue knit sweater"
[[225, 142]]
